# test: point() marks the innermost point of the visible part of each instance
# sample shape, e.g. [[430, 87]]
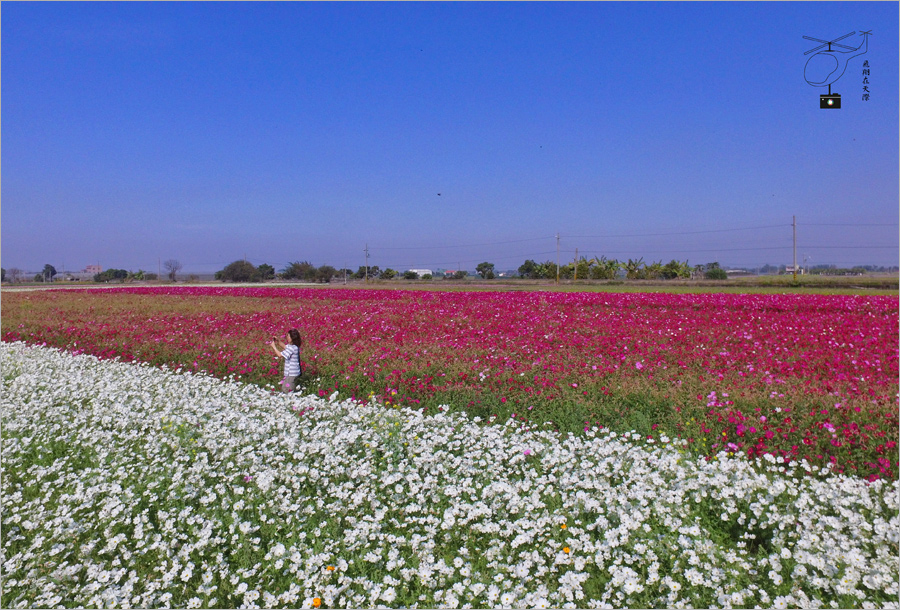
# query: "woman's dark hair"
[[295, 337]]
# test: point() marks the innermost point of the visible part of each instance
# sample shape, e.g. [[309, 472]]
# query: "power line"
[[840, 224], [781, 226], [496, 243]]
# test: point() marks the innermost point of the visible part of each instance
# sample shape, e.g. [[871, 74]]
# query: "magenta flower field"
[[801, 376]]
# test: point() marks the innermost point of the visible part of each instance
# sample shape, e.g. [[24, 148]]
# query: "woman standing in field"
[[291, 354]]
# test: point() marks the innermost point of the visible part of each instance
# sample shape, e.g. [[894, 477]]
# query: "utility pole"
[[557, 258], [576, 264], [367, 263], [795, 247]]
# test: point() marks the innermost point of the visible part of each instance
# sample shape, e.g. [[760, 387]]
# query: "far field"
[[796, 375]]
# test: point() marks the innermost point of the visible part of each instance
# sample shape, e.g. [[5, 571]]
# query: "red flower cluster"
[[802, 376]]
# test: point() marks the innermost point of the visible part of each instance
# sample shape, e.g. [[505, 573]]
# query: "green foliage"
[[529, 270], [410, 275], [266, 272], [388, 274], [714, 272], [300, 271], [653, 270], [634, 269], [583, 269], [675, 270], [111, 275], [547, 270], [49, 272], [325, 273], [427, 277], [238, 271], [485, 270], [604, 268]]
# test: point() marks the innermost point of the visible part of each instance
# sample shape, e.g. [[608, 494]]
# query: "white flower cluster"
[[128, 486]]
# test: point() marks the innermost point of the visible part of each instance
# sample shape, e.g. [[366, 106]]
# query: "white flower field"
[[125, 485]]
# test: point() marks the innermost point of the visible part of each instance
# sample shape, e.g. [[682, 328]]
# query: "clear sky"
[[444, 134]]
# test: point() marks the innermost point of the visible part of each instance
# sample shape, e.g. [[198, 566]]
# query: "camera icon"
[[832, 100]]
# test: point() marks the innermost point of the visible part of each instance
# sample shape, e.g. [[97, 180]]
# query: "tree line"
[[609, 269], [594, 269], [304, 271]]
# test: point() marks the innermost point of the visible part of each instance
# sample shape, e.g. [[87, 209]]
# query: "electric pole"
[[576, 264], [795, 247], [367, 263], [557, 258]]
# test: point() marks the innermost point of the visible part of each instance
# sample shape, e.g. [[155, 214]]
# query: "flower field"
[[128, 485], [797, 376]]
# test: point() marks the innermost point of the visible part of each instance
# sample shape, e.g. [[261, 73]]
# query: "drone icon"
[[826, 67]]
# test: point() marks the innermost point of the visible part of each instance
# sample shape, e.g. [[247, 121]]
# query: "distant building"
[[422, 272], [93, 270]]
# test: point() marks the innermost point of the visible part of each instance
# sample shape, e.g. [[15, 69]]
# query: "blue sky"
[[443, 134]]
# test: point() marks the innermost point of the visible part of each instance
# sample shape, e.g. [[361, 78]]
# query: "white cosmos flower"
[[155, 466]]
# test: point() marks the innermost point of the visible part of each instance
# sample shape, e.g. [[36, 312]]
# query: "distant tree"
[[15, 275], [653, 271], [547, 270], [2, 274], [529, 270], [238, 271], [604, 268], [410, 275], [300, 271], [172, 268], [388, 274], [460, 275], [49, 272], [485, 270], [266, 272], [111, 275], [139, 276], [151, 277], [427, 277], [325, 273], [714, 272], [583, 269], [634, 269], [673, 270], [38, 277]]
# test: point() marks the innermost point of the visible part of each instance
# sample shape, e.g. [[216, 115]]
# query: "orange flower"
[[330, 568], [563, 526], [567, 550], [317, 601]]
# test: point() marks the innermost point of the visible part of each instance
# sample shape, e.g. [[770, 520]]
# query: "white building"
[[422, 272]]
